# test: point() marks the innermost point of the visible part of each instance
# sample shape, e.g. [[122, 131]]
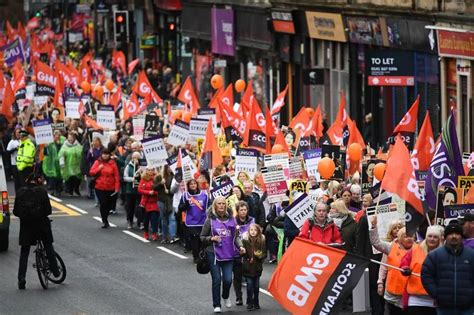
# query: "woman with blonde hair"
[[344, 221], [415, 298], [394, 250], [218, 235], [149, 201]]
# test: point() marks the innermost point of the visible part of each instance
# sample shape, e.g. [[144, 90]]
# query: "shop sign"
[[328, 26], [390, 68], [283, 22], [148, 42], [222, 21], [365, 31], [456, 44]]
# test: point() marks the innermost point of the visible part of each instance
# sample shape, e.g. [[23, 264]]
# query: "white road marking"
[[169, 251], [54, 198], [144, 240], [100, 220], [266, 292], [76, 208]]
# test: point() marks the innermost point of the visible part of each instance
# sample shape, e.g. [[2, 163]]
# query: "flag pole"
[[393, 267], [378, 200], [436, 209]]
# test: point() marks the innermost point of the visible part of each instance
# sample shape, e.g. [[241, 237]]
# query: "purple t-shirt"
[[469, 242]]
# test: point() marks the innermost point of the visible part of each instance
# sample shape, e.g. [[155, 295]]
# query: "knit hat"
[[453, 228]]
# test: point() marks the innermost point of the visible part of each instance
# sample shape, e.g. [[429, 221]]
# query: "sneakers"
[[105, 226], [227, 303], [113, 212], [129, 226], [21, 284], [154, 237], [174, 240], [217, 309], [145, 235], [239, 302]]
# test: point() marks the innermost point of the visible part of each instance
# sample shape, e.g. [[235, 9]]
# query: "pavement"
[[112, 271]]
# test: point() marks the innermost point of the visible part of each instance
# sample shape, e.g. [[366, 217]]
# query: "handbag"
[[202, 266]]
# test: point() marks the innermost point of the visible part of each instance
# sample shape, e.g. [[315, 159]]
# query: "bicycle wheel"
[[62, 271], [42, 267]]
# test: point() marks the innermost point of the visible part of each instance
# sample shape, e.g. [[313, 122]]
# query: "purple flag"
[[12, 52], [222, 21], [446, 164]]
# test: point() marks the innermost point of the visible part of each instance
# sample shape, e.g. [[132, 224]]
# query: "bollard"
[[361, 295]]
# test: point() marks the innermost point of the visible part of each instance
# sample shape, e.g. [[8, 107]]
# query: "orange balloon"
[[98, 91], [326, 167], [85, 86], [355, 152], [187, 117], [177, 113], [278, 148], [379, 171], [217, 81], [239, 85], [109, 84], [310, 111], [33, 78]]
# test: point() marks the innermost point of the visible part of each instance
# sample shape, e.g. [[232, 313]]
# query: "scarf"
[[337, 219]]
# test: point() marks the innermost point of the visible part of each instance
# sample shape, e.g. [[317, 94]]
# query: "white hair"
[[435, 230], [355, 189]]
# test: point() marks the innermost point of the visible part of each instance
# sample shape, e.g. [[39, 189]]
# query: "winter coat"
[[131, 178], [108, 177], [327, 234], [149, 198], [93, 156], [348, 234], [448, 277], [50, 165], [291, 231], [252, 262], [38, 227], [70, 157]]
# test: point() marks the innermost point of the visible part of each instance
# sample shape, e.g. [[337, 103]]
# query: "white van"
[[4, 210]]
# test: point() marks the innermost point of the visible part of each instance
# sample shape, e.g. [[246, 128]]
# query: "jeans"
[[90, 187], [445, 311], [106, 201], [168, 222], [237, 270], [152, 216], [220, 271], [25, 252], [253, 287]]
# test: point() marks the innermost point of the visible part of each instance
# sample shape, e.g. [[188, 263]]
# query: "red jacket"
[[108, 177], [327, 235], [149, 196]]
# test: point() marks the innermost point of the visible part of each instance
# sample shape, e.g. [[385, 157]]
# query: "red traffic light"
[[120, 18], [171, 26]]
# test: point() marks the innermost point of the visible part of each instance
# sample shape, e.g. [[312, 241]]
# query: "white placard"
[[186, 161], [30, 91], [138, 123], [300, 210], [311, 159], [246, 161], [155, 151], [278, 159], [72, 109], [106, 117], [386, 214], [179, 133], [40, 100], [197, 129], [43, 131]]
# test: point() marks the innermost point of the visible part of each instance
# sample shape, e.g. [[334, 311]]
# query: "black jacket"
[[448, 277]]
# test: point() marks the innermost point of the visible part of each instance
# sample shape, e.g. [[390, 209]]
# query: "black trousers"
[[131, 203], [106, 201], [25, 252], [193, 240], [23, 175], [394, 310], [377, 302], [72, 184], [237, 281], [16, 178], [421, 310]]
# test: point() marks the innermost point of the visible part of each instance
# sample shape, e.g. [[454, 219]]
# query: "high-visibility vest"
[[26, 154], [415, 287], [396, 282]]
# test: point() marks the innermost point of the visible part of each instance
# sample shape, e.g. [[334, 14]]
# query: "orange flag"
[[247, 98], [45, 79], [132, 65], [227, 97], [119, 61], [354, 134], [408, 122], [91, 123], [336, 131], [188, 96], [131, 108], [280, 139], [211, 155], [400, 177], [318, 122], [8, 100], [217, 95], [254, 136], [280, 101], [301, 121], [116, 98], [425, 147], [145, 91]]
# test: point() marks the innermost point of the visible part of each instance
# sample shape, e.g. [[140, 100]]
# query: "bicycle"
[[42, 267]]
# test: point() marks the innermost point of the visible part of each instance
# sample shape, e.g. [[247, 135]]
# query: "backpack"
[[28, 205]]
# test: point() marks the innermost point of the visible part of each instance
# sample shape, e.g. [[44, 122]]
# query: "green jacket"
[[131, 182], [50, 164], [26, 154], [70, 157]]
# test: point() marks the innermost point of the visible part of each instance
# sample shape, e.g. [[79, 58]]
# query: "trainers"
[[227, 303], [21, 284], [145, 235], [154, 237], [239, 302], [174, 240], [129, 226], [217, 309]]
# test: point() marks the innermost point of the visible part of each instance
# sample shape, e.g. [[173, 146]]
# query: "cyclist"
[[32, 206]]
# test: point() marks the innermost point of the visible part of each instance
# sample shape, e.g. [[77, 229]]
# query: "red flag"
[[11, 32], [131, 108], [280, 139], [188, 96], [21, 30], [315, 279], [301, 121], [132, 65], [119, 62], [45, 79], [280, 101], [247, 98], [8, 100], [254, 136], [227, 97], [400, 177], [217, 95], [19, 81], [145, 91], [85, 69], [425, 147], [91, 123], [211, 155], [318, 122], [116, 98], [408, 122], [354, 134]]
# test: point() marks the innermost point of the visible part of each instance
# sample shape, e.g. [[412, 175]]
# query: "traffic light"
[[38, 14], [121, 26]]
